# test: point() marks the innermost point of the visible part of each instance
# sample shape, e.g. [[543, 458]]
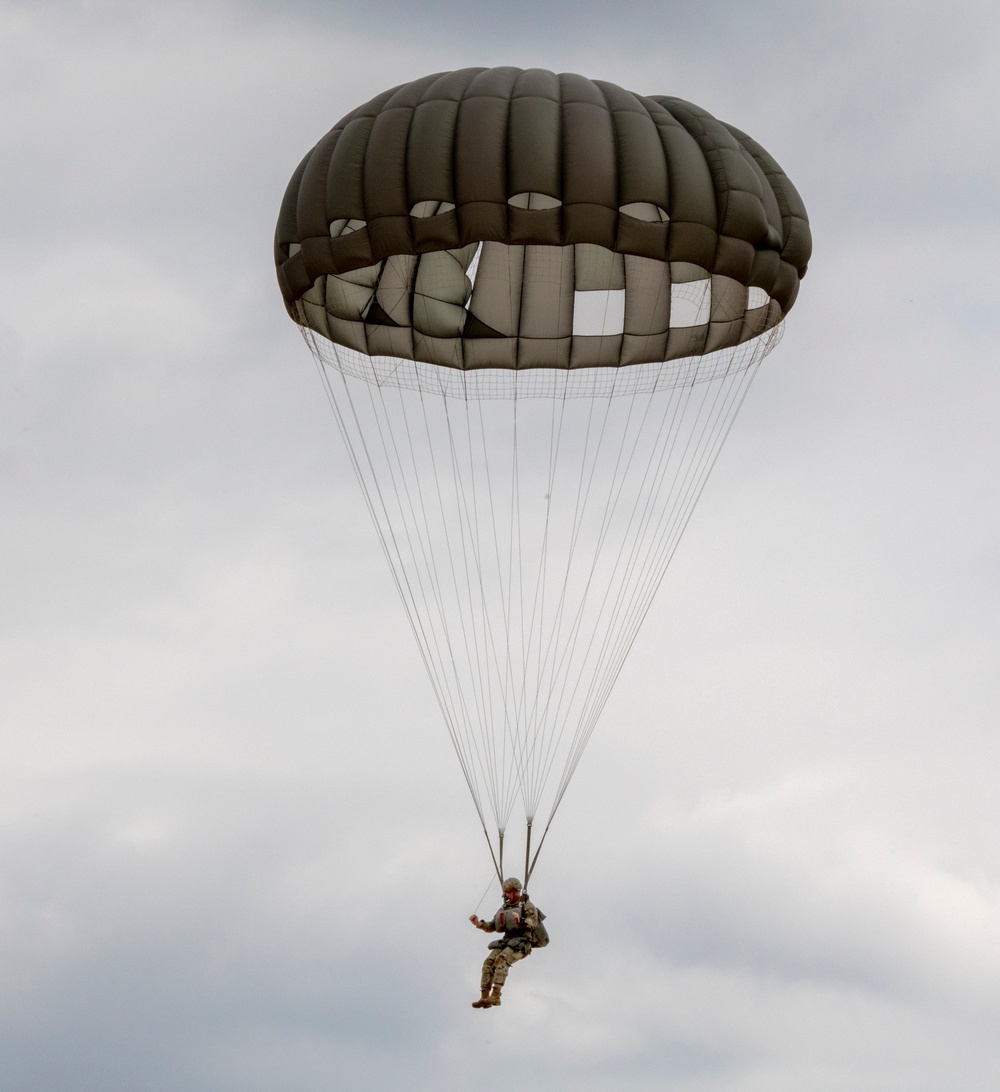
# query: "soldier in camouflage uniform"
[[514, 919]]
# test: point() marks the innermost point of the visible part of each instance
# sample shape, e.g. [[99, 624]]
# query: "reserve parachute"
[[537, 302]]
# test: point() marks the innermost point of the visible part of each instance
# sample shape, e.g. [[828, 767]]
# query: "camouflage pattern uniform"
[[513, 919]]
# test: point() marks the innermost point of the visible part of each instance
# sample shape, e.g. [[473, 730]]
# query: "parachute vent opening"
[[345, 226], [532, 200], [474, 267], [600, 313], [690, 303], [645, 211], [423, 209]]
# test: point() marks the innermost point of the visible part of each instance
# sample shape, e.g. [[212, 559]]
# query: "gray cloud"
[[234, 847]]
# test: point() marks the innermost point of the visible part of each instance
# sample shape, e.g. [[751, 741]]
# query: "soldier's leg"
[[489, 967], [486, 981], [505, 957]]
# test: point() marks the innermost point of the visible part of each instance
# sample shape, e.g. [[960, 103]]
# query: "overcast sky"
[[236, 852]]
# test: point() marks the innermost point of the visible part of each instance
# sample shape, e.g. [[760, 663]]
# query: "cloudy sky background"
[[236, 852]]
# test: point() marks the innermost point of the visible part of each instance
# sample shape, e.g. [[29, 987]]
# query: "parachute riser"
[[528, 870], [529, 860], [496, 865]]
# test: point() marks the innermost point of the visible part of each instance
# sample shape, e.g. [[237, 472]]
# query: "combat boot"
[[484, 1002], [494, 998]]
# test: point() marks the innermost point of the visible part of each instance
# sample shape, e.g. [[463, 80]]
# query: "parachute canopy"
[[537, 302], [456, 219]]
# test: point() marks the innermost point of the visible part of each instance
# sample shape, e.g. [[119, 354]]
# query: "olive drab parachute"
[[537, 302]]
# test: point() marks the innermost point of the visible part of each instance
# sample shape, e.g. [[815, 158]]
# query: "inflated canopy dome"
[[500, 218]]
